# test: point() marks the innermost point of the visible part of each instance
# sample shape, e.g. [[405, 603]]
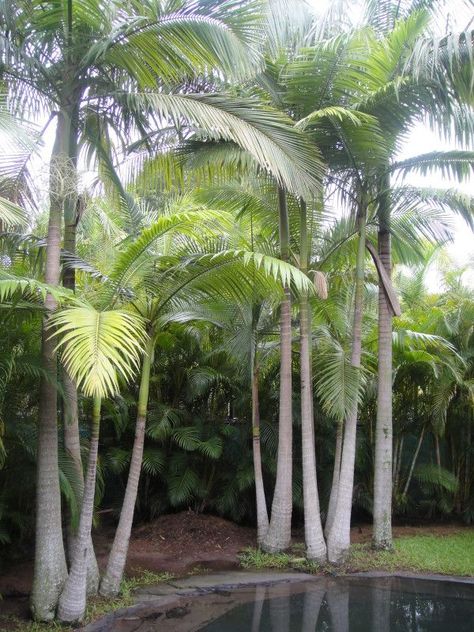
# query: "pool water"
[[354, 605]]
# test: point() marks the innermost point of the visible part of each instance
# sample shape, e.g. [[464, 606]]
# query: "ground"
[[185, 542]]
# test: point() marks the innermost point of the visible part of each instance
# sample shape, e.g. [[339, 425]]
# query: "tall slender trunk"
[[72, 603], [335, 478], [382, 533], [314, 537], [278, 536], [437, 451], [73, 448], [50, 569], [398, 467], [413, 462], [110, 584], [71, 414], [338, 541], [261, 503]]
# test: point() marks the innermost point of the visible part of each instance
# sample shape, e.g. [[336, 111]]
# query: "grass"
[[449, 555], [97, 606], [259, 560]]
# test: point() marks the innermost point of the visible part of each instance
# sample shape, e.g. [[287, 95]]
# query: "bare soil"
[[177, 544]]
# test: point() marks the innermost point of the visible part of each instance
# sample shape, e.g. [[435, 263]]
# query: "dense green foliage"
[[245, 159]]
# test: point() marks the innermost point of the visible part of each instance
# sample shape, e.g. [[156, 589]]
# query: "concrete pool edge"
[[167, 596]]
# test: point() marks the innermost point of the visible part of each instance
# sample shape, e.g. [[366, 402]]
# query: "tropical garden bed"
[[202, 543]]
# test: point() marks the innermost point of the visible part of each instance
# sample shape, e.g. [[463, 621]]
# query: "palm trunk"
[[72, 603], [338, 541], [437, 451], [71, 415], [261, 503], [110, 585], [73, 448], [50, 569], [382, 533], [278, 536], [398, 467], [335, 479], [413, 462], [314, 537]]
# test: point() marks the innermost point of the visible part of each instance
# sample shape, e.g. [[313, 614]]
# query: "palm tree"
[[56, 68], [232, 275], [368, 100], [96, 346], [314, 537], [419, 96]]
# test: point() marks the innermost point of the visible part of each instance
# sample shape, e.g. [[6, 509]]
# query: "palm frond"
[[98, 347]]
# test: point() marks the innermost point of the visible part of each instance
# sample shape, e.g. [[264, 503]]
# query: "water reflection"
[[354, 605]]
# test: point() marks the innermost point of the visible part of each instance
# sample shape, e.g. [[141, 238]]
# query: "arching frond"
[[454, 164], [266, 134], [97, 348]]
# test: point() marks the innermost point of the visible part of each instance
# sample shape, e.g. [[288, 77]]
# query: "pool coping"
[[168, 594]]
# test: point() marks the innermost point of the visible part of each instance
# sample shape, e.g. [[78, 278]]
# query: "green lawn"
[[449, 555]]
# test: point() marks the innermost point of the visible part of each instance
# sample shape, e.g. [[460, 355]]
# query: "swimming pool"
[[354, 605]]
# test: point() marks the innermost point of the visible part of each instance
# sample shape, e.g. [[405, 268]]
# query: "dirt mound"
[[187, 531], [179, 542]]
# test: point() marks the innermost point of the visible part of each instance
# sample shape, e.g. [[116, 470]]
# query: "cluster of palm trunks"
[[245, 121]]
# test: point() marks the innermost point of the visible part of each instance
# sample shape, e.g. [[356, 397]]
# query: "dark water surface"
[[354, 605]]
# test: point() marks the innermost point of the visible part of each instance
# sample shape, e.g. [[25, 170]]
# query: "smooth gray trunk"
[[335, 479], [338, 541], [72, 603], [50, 569], [382, 533], [110, 585], [261, 503], [398, 466], [314, 538], [73, 448], [278, 536], [413, 462]]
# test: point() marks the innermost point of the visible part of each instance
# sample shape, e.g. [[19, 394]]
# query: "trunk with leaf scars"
[[71, 415], [72, 603], [382, 535], [335, 478], [110, 585], [279, 532], [73, 448], [314, 537], [50, 569], [339, 536], [261, 503]]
